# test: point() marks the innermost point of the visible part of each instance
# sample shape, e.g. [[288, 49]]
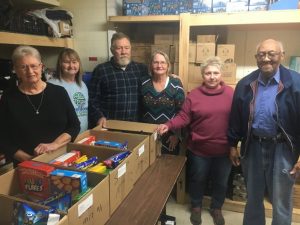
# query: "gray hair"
[[25, 50], [212, 61], [117, 36], [279, 43]]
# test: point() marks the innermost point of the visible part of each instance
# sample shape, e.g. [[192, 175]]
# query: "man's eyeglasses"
[[24, 67], [270, 54]]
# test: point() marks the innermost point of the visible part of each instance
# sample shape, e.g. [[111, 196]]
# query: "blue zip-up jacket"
[[287, 110]]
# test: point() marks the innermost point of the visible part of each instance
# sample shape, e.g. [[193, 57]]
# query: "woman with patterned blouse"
[[162, 97]]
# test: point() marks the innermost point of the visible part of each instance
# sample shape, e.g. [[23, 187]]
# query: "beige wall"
[[246, 42], [90, 30]]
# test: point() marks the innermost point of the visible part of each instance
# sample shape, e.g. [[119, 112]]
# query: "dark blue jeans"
[[266, 169], [200, 170]]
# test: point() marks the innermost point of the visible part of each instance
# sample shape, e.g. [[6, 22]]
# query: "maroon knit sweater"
[[205, 113]]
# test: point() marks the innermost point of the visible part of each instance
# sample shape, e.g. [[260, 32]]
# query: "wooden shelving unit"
[[283, 19], [36, 40], [144, 19], [254, 20]]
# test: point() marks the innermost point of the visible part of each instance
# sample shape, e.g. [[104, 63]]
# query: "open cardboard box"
[[7, 207], [120, 179], [92, 209], [138, 145], [138, 128]]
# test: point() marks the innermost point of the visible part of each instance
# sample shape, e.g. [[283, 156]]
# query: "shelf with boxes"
[[8, 36], [237, 28]]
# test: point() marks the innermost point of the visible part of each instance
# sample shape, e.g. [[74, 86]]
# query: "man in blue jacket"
[[265, 117]]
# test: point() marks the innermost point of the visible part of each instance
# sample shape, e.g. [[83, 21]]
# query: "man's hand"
[[102, 122], [234, 156], [295, 169]]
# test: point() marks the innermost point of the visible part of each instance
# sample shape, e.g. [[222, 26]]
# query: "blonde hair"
[[165, 55], [212, 61], [72, 54]]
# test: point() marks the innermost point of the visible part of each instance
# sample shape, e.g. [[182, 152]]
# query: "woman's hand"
[[173, 141], [45, 147], [162, 128]]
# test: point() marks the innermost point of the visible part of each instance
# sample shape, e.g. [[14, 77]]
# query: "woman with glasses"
[[35, 117], [162, 97], [69, 75], [205, 113]]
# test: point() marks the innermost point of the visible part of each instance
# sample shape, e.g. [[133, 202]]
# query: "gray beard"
[[124, 62]]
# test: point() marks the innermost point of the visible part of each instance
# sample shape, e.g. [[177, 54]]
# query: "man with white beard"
[[114, 86]]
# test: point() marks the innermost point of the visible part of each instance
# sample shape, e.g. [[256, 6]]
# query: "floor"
[[182, 214]]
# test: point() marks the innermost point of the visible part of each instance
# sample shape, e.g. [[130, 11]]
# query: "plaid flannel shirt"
[[114, 92]]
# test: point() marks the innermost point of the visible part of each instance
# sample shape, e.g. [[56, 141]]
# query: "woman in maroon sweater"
[[205, 113]]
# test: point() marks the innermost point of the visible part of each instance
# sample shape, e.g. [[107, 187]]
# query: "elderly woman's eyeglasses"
[[270, 54], [25, 67], [163, 63]]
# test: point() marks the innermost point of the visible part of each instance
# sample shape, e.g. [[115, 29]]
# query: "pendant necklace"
[[36, 109]]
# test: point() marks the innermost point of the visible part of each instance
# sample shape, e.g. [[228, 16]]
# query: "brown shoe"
[[217, 216], [196, 216]]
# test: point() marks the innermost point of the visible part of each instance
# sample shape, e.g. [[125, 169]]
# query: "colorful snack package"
[[24, 215], [86, 164], [81, 159], [61, 202], [90, 140], [113, 144], [66, 159], [34, 178], [99, 168], [115, 160], [68, 181]]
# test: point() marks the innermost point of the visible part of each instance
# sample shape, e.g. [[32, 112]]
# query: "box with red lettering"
[[34, 179]]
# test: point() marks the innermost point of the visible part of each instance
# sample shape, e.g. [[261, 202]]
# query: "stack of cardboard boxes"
[[204, 48], [107, 191]]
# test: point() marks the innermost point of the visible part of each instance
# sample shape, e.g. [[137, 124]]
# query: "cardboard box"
[[165, 48], [163, 39], [284, 4], [138, 144], [193, 85], [206, 38], [139, 128], [174, 53], [192, 52], [194, 74], [7, 207], [65, 29], [92, 209], [226, 52], [204, 51], [141, 53], [34, 179], [229, 73], [175, 68]]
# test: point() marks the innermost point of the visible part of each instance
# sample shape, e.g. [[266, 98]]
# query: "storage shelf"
[[28, 39], [144, 19], [220, 19], [53, 3], [246, 18], [49, 2]]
